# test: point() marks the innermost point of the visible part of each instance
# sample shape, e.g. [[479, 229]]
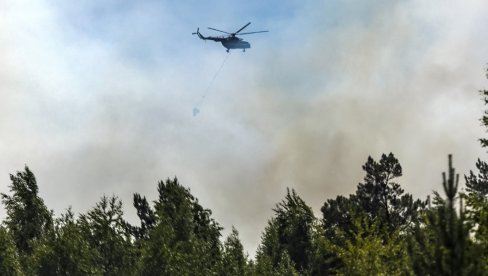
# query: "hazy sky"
[[96, 97]]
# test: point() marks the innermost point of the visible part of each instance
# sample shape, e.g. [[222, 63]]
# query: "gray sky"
[[96, 97]]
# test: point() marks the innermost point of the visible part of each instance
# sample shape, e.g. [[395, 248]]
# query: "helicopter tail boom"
[[214, 38]]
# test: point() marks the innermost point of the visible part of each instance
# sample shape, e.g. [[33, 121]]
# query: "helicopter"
[[231, 41]]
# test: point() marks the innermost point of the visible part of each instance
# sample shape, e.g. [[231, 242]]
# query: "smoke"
[[395, 81], [97, 99]]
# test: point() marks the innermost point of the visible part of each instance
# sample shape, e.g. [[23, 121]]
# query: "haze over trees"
[[380, 229]]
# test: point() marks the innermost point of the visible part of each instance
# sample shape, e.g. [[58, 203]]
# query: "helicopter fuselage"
[[229, 42], [235, 43]]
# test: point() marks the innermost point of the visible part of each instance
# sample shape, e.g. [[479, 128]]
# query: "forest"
[[378, 230]]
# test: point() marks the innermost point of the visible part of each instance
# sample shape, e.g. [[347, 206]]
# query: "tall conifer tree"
[[27, 216]]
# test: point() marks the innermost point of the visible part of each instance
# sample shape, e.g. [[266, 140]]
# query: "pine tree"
[[106, 231], [441, 245], [146, 216], [484, 119], [477, 208], [270, 248], [283, 267], [290, 232], [338, 213], [234, 262], [371, 250], [184, 239], [382, 198], [379, 197], [294, 221], [477, 195], [174, 208], [65, 252], [27, 216], [477, 185], [9, 257]]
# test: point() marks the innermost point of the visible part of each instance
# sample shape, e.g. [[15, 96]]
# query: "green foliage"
[[146, 216], [105, 230], [477, 196], [234, 262], [156, 254], [270, 249], [174, 208], [294, 220], [366, 224], [477, 185], [286, 267], [368, 252], [323, 260], [337, 214], [481, 233], [65, 252], [382, 198], [183, 239], [441, 245], [27, 216], [484, 119], [9, 258], [290, 232], [283, 267], [477, 192], [379, 198], [477, 208]]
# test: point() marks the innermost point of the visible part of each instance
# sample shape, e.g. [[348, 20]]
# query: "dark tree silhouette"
[[27, 216]]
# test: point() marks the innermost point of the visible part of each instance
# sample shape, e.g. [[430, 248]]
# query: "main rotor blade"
[[218, 30], [254, 32], [242, 28]]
